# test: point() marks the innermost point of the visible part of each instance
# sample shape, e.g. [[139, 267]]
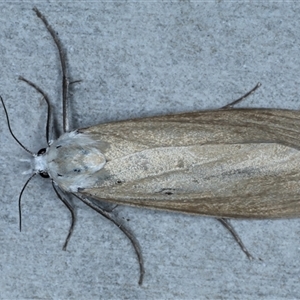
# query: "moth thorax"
[[72, 160]]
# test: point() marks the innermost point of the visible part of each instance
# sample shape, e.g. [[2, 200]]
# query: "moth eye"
[[118, 181], [44, 174], [77, 170], [41, 152]]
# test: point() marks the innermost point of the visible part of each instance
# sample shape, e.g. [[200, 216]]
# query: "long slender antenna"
[[47, 101], [20, 198], [9, 128], [65, 82], [129, 235]]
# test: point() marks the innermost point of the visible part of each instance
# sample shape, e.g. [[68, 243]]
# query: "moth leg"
[[71, 209], [62, 57], [39, 90], [226, 224], [230, 105], [118, 223], [108, 207], [75, 81]]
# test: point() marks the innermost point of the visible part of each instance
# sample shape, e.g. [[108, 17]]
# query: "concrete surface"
[[135, 60]]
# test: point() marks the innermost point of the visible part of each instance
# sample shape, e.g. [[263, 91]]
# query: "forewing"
[[211, 163]]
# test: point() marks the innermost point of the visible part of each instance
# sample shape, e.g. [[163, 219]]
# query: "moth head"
[[43, 173], [38, 164]]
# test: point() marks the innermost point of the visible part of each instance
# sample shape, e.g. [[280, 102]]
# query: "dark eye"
[[41, 151], [44, 174]]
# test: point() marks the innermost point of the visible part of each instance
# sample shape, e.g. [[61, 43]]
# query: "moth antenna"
[[227, 225], [62, 56], [20, 197], [230, 105], [129, 235], [10, 130], [71, 209], [39, 90]]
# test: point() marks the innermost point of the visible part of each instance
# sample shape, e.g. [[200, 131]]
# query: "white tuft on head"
[[39, 163]]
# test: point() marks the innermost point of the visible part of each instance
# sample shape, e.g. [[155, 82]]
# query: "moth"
[[225, 163]]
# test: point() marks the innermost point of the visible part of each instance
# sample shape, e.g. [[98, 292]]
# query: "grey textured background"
[[141, 59]]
